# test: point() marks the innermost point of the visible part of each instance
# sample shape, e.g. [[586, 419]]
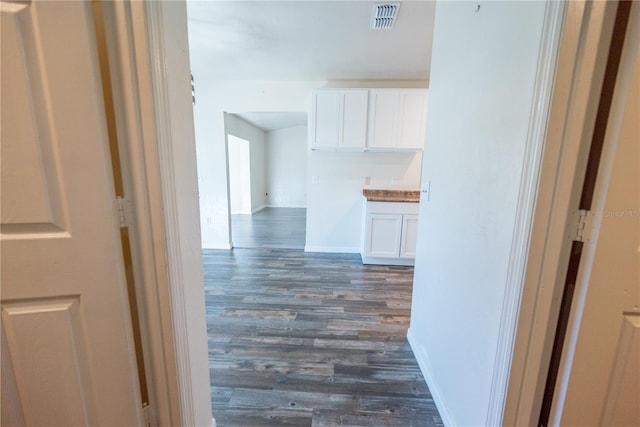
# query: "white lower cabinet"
[[409, 236], [390, 233]]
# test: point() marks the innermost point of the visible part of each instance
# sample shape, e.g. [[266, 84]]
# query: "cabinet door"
[[383, 235], [325, 118], [409, 236], [383, 117], [354, 118], [412, 118]]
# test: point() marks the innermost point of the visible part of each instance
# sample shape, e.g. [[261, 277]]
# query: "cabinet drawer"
[[393, 208]]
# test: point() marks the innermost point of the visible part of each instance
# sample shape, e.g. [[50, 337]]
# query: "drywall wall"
[[286, 163], [480, 100], [327, 202], [213, 99], [334, 200]]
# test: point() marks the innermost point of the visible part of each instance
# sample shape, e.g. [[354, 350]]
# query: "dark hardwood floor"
[[301, 339], [270, 228]]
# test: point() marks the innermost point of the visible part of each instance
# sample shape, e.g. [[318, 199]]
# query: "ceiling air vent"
[[384, 16]]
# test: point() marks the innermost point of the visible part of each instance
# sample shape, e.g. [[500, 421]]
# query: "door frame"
[[153, 112], [585, 41], [167, 240]]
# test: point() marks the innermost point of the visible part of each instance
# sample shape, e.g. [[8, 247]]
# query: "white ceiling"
[[307, 40], [274, 121]]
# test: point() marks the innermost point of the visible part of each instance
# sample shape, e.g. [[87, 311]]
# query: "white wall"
[[213, 98], [287, 167], [334, 204], [325, 227], [480, 98]]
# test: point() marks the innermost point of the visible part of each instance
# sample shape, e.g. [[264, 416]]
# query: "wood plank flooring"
[[301, 339], [270, 228]]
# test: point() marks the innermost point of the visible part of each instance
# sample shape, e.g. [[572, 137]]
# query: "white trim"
[[258, 209], [172, 167], [172, 228], [285, 207], [333, 249], [613, 127], [552, 28], [388, 261], [220, 246], [137, 152], [422, 357], [573, 108]]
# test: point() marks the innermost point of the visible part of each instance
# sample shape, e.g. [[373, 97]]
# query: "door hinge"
[[148, 416], [122, 209], [582, 222]]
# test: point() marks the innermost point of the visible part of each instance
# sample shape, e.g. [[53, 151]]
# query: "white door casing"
[[585, 40], [68, 354], [599, 379]]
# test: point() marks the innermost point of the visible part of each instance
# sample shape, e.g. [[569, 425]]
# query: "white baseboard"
[[388, 261], [259, 209], [427, 372], [292, 207], [333, 249], [218, 246]]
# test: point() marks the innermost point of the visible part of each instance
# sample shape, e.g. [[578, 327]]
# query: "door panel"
[[409, 236], [384, 235], [30, 197], [45, 339], [68, 354]]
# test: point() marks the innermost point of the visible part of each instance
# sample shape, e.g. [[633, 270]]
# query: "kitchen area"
[[364, 169]]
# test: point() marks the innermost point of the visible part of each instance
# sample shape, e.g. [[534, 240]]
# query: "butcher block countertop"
[[411, 196]]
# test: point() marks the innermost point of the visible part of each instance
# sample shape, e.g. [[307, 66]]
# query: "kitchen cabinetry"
[[368, 119], [397, 118], [390, 233], [338, 119]]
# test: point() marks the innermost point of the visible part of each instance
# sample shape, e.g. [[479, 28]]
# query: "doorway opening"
[[266, 154]]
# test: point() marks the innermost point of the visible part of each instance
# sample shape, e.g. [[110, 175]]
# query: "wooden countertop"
[[410, 196]]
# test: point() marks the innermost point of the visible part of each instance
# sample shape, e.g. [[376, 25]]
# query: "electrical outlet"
[[367, 180], [315, 179], [394, 180]]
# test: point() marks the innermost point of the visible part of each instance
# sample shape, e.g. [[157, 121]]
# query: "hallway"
[[311, 339]]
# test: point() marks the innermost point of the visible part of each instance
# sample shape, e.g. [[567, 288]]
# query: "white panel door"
[[326, 118], [603, 379], [67, 347], [412, 118], [383, 235], [354, 118], [383, 117], [409, 236]]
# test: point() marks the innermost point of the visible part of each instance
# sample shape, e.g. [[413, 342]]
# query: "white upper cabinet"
[[339, 119], [412, 118], [368, 119], [383, 118], [397, 118]]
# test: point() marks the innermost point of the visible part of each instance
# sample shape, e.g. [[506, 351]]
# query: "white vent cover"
[[384, 16]]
